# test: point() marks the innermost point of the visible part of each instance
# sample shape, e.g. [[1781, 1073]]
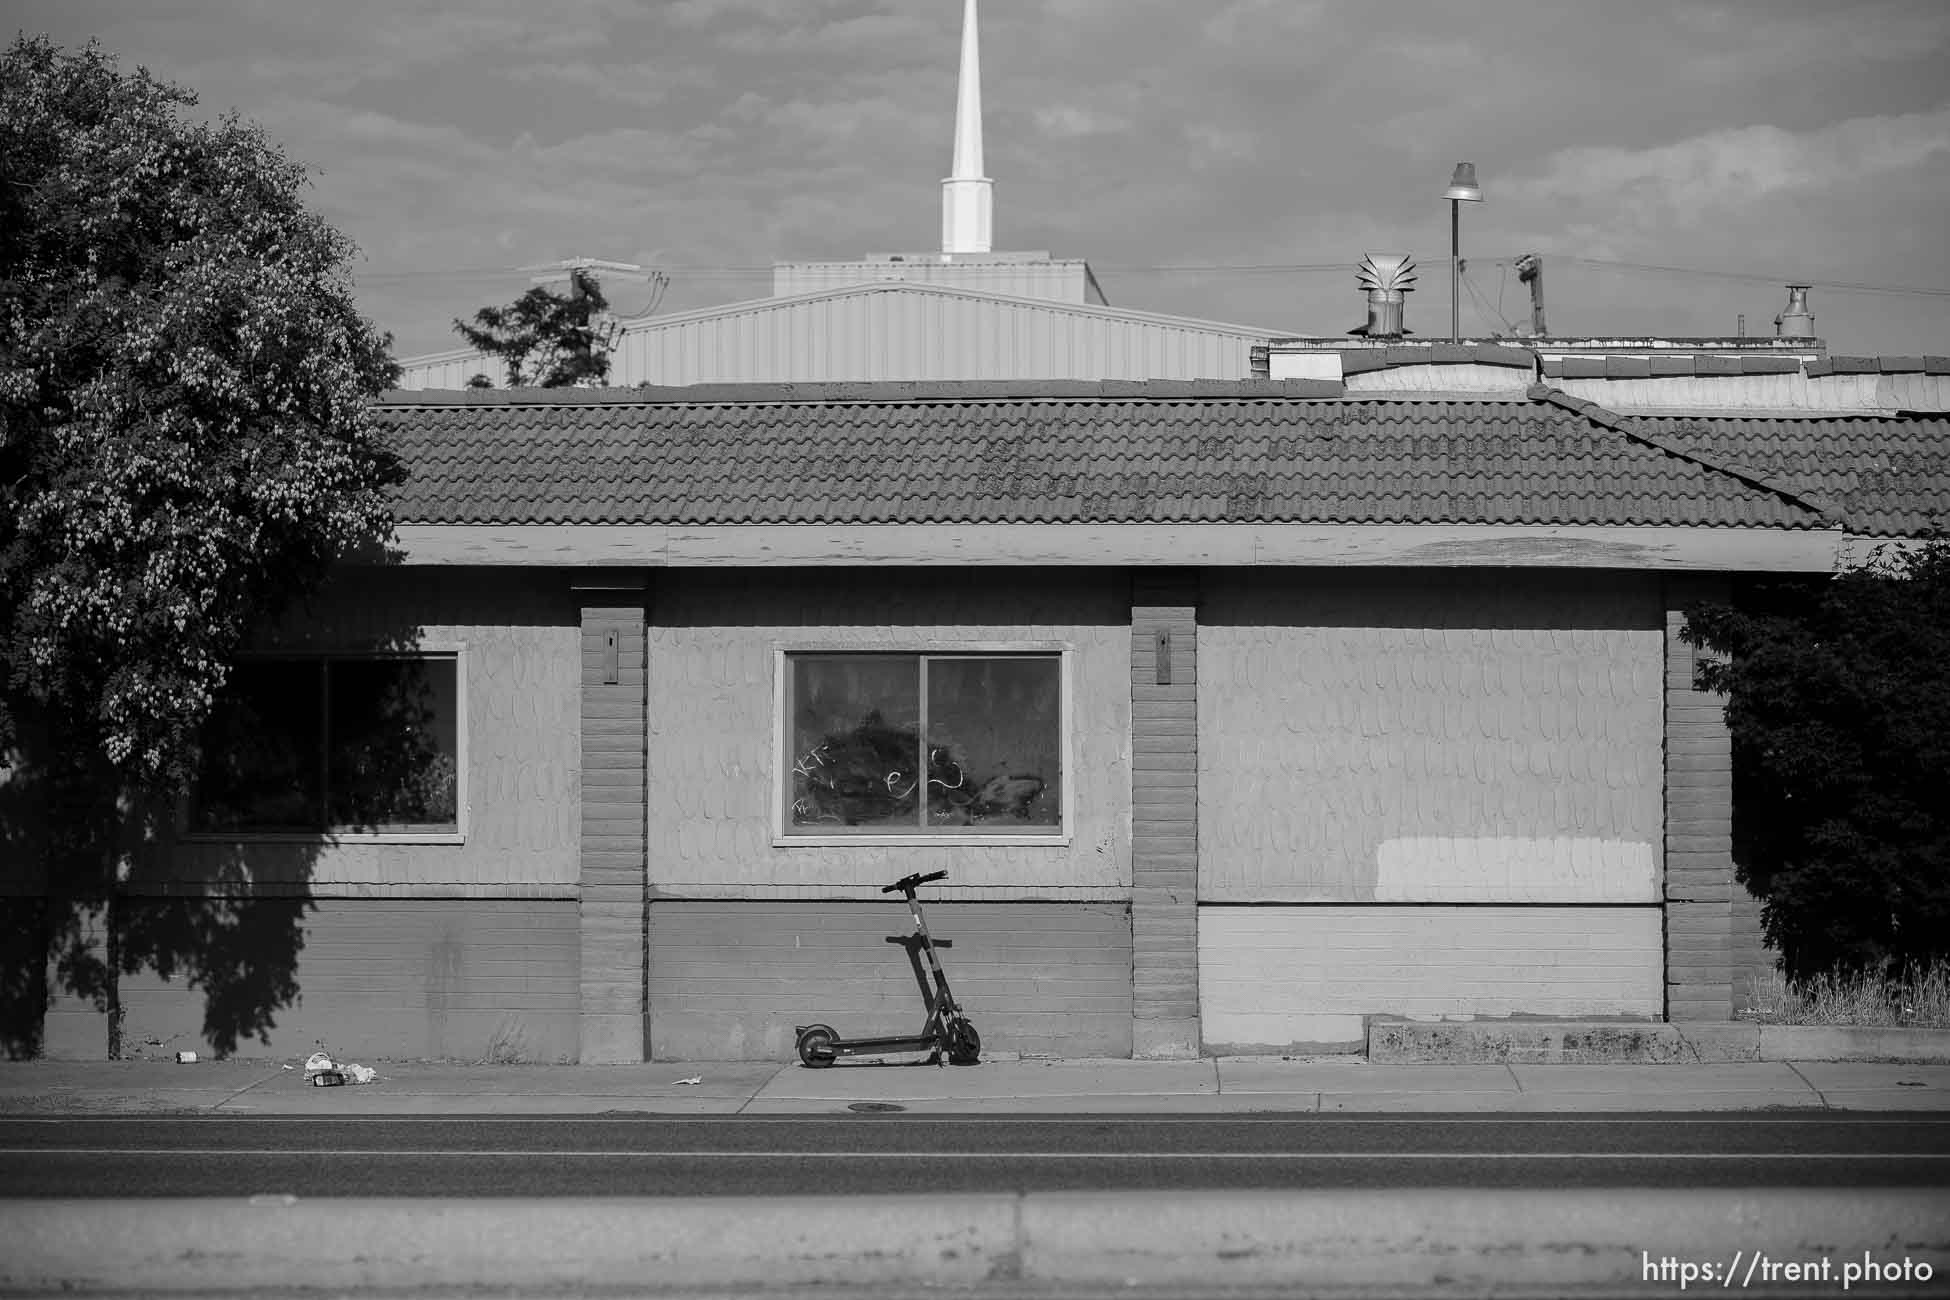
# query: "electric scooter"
[[946, 1032]]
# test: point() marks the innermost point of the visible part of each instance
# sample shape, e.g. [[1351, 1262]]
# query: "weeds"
[[1918, 1000]]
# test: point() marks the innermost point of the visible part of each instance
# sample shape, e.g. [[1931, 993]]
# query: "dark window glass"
[[995, 732], [856, 741], [394, 760], [263, 756], [993, 728], [341, 744]]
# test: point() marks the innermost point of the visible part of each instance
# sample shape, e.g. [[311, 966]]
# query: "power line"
[[1227, 268], [1833, 286]]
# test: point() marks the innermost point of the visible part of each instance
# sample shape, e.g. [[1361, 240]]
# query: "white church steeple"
[[966, 196]]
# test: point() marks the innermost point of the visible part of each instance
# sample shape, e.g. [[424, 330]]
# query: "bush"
[[1838, 701]]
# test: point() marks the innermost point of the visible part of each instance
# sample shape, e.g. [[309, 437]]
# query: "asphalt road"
[[474, 1156]]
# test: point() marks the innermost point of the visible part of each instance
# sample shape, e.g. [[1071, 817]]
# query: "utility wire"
[[1224, 268]]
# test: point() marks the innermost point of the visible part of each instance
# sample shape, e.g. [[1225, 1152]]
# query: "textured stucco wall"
[[712, 778], [1273, 977], [732, 980], [1405, 737], [522, 642]]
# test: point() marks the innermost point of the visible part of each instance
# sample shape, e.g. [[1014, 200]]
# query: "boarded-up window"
[[924, 743]]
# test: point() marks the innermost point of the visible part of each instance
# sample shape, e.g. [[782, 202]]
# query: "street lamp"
[[1462, 189]]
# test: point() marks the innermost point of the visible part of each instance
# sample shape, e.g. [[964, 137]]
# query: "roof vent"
[[1795, 320], [1388, 278]]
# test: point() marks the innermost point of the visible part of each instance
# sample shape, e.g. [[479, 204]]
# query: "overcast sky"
[[459, 141]]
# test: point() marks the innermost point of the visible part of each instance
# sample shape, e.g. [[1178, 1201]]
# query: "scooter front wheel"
[[964, 1044], [816, 1046]]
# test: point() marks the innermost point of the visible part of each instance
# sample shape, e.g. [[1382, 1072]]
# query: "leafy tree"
[[547, 340], [185, 446], [1838, 700], [183, 379]]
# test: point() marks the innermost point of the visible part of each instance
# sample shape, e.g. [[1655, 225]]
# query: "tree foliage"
[[185, 447], [1838, 701], [546, 340]]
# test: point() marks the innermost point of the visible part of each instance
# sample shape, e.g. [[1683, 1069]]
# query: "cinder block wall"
[[385, 947], [1454, 772], [1307, 977], [749, 937], [732, 979], [374, 979], [1699, 883]]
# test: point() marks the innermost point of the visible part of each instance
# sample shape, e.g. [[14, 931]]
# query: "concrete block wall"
[[1699, 883], [1426, 794], [733, 979], [386, 945], [374, 979], [1305, 978], [1164, 815], [612, 921]]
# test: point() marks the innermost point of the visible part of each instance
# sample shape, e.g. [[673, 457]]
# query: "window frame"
[[1059, 837], [456, 652]]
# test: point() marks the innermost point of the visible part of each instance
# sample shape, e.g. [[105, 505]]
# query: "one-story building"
[[1237, 712]]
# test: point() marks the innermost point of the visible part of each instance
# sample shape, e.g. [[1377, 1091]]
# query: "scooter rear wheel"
[[964, 1044], [816, 1046]]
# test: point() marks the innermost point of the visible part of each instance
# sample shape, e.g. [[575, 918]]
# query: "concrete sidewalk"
[[1229, 1085]]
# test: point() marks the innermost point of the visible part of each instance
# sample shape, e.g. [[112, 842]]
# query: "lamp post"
[[1462, 189]]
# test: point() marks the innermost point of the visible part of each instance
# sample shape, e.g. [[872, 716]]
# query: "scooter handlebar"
[[906, 883]]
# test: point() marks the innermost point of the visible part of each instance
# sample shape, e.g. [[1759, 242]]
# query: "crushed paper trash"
[[695, 1078], [321, 1071]]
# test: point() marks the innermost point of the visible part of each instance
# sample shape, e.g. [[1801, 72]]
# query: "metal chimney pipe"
[[1796, 321]]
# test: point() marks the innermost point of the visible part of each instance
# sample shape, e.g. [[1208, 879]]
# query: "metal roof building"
[[966, 312], [898, 330]]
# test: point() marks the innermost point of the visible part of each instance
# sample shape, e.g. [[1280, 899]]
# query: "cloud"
[[1738, 169]]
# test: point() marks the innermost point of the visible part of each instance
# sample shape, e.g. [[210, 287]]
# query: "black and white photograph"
[[1021, 650]]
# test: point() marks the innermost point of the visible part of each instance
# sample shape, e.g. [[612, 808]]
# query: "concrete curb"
[[1583, 1042], [1412, 1242]]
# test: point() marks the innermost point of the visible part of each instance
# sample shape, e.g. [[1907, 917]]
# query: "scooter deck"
[[877, 1046]]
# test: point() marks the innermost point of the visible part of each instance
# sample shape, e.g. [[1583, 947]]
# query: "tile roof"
[[1888, 476], [1685, 367], [1182, 452]]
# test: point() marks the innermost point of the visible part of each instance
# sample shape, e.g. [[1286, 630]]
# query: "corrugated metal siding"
[[1059, 281], [732, 980], [452, 371], [901, 336]]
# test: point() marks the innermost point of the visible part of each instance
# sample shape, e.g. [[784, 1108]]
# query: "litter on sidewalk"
[[322, 1072]]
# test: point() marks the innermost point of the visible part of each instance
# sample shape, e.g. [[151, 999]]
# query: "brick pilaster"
[[614, 885], [1699, 884], [1164, 815]]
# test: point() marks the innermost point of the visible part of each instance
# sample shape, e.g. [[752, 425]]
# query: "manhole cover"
[[874, 1107]]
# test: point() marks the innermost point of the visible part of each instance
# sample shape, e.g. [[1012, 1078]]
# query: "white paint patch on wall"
[[1515, 869], [1267, 975]]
